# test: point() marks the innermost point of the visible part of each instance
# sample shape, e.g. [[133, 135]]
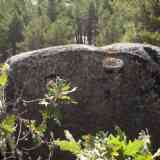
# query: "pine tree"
[[15, 33], [150, 24], [92, 23], [51, 10], [145, 26]]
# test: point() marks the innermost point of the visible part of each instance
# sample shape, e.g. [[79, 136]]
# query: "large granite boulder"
[[117, 84]]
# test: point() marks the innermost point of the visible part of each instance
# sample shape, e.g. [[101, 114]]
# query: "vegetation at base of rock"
[[105, 146], [15, 129]]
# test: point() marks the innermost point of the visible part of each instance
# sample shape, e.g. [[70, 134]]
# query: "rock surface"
[[128, 97]]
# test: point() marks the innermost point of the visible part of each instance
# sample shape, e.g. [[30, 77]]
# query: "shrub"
[[106, 146]]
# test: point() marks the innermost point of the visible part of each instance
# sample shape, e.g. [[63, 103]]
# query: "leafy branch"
[[106, 146], [14, 128]]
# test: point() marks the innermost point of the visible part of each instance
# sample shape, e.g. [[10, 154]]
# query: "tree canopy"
[[33, 24]]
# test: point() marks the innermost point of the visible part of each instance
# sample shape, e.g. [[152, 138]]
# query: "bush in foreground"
[[104, 146]]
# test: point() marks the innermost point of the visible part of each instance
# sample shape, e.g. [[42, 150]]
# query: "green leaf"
[[8, 124], [66, 87], [70, 146], [4, 75], [116, 145], [3, 79], [65, 98], [144, 157], [69, 91], [38, 129], [134, 147], [116, 142], [5, 67]]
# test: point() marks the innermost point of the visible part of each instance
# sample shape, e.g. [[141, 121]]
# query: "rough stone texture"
[[4, 55], [128, 97]]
